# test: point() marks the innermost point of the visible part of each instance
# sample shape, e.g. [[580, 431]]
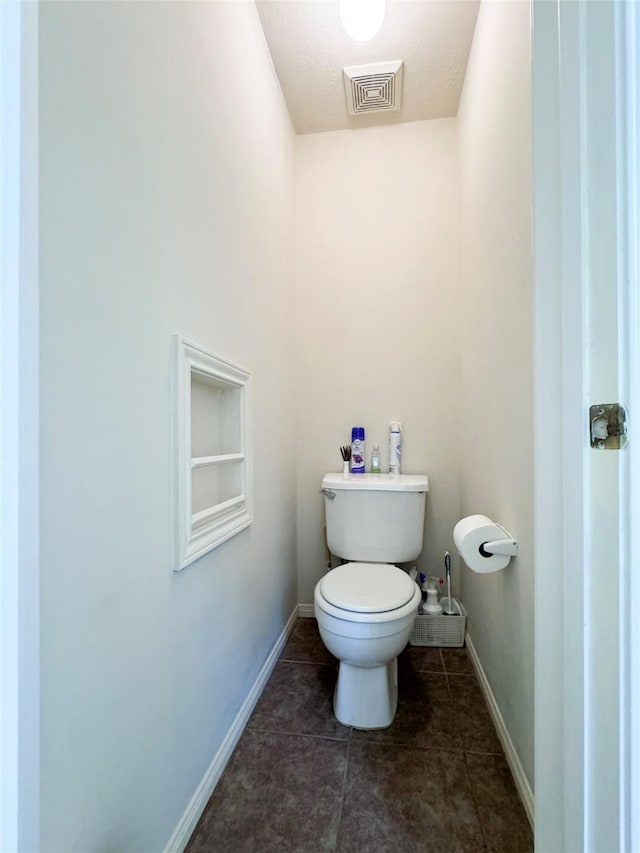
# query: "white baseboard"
[[519, 776], [192, 813], [306, 610]]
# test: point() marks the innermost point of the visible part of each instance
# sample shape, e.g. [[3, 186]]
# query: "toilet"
[[365, 607]]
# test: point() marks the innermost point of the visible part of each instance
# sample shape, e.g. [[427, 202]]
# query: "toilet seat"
[[367, 587], [404, 590]]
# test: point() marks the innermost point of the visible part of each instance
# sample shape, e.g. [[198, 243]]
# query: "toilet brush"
[[448, 610]]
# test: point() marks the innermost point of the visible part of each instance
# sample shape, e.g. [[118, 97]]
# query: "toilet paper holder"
[[484, 545], [508, 546]]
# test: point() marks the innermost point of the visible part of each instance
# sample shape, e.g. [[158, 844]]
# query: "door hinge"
[[608, 426]]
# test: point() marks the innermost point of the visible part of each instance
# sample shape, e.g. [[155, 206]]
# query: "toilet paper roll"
[[470, 534]]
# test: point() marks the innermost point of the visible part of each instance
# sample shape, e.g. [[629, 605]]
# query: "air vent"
[[374, 88]]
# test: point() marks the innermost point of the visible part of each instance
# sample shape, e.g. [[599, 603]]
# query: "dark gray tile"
[[413, 677], [458, 661], [409, 788], [278, 793], [424, 718], [408, 800], [471, 714], [298, 699], [423, 658], [305, 644], [503, 818]]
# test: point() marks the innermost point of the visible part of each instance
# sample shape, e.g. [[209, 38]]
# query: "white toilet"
[[366, 607]]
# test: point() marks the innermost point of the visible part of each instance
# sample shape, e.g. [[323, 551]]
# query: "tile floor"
[[436, 780]]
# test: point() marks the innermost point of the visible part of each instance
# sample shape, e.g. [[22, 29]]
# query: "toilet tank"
[[375, 518]]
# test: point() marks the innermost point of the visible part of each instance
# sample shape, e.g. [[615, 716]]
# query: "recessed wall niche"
[[213, 450]]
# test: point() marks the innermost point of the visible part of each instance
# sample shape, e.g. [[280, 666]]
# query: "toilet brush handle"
[[447, 568]]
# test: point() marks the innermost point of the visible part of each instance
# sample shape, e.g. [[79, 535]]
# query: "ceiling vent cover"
[[373, 88]]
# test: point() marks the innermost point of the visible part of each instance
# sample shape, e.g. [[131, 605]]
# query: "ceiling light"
[[362, 19]]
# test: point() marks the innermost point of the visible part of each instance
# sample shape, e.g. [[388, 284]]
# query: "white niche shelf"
[[213, 450]]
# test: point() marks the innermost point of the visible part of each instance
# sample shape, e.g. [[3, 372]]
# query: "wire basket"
[[440, 630]]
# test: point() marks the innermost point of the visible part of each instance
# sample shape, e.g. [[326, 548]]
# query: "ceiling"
[[309, 50]]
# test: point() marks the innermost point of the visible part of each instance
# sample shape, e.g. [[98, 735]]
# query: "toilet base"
[[366, 698]]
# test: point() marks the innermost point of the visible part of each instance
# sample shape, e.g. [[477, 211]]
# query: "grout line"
[[314, 662], [446, 674], [297, 734], [472, 751], [479, 811], [413, 746], [344, 788], [432, 671]]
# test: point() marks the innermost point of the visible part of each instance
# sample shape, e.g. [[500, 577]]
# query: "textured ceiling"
[[309, 49]]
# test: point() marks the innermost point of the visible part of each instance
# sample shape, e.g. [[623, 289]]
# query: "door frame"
[[577, 804], [558, 464], [629, 70], [19, 431]]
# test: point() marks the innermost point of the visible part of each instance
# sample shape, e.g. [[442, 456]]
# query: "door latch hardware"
[[608, 426]]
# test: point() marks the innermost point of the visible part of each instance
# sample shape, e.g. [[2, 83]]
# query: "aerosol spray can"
[[357, 450], [395, 435]]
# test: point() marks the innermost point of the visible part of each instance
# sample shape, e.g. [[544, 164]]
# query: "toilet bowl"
[[365, 612]]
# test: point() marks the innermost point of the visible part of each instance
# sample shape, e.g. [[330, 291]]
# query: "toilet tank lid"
[[376, 482]]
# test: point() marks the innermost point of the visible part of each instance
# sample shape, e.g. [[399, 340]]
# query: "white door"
[[586, 325]]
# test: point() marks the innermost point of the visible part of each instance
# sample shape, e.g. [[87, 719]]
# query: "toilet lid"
[[367, 587]]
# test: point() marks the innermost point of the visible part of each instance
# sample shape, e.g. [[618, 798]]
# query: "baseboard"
[[192, 813], [305, 611], [519, 776]]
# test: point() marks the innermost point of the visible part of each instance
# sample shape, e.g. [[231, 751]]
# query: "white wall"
[[494, 131], [377, 316], [166, 206]]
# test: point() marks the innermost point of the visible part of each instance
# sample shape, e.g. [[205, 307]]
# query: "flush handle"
[[328, 493]]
